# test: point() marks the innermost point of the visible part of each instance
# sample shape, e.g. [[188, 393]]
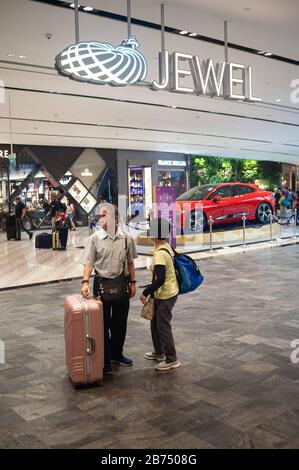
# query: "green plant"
[[216, 170]]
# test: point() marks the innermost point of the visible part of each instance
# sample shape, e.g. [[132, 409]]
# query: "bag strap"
[[126, 248], [176, 253], [164, 249]]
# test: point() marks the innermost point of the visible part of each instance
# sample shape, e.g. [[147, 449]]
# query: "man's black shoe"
[[123, 361], [108, 370]]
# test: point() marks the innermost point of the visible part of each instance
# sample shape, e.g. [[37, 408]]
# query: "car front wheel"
[[263, 213]]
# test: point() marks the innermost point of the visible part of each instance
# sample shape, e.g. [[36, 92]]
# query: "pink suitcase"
[[84, 338]]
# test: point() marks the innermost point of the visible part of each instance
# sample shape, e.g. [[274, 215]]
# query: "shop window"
[[136, 191], [174, 179]]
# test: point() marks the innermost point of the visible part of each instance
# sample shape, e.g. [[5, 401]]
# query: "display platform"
[[231, 235]]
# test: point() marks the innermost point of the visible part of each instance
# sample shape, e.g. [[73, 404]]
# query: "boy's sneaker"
[[167, 365], [123, 361], [153, 356]]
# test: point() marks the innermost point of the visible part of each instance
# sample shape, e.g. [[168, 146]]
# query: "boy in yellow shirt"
[[165, 289]]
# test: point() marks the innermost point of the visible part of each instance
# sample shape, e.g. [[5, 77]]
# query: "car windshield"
[[197, 193]]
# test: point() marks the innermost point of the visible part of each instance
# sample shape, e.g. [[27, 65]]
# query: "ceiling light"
[[261, 52], [183, 32], [267, 54], [88, 9], [278, 100], [22, 56], [174, 106], [192, 35], [72, 5], [11, 55]]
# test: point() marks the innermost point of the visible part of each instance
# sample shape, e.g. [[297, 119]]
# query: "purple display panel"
[[166, 208]]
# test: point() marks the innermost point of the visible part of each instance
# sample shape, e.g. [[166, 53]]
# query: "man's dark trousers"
[[19, 228], [115, 327]]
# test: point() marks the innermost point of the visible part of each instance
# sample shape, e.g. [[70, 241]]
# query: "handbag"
[[113, 289], [148, 309]]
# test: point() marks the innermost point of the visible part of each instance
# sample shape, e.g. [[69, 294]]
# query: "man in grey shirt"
[[109, 252]]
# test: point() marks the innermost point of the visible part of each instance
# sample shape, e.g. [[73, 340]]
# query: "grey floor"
[[237, 387]]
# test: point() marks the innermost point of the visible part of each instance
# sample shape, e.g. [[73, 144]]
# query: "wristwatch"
[[85, 280]]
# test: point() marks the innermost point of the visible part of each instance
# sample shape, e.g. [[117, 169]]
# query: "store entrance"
[[140, 191]]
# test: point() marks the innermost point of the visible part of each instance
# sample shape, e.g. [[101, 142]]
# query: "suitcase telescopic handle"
[[91, 345]]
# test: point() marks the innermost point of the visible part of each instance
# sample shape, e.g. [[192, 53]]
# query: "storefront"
[[140, 172], [88, 174], [84, 174], [4, 167], [290, 176]]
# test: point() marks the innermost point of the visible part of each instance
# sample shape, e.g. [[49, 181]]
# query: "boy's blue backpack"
[[187, 272]]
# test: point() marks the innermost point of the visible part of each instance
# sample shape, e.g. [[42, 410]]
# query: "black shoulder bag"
[[114, 289]]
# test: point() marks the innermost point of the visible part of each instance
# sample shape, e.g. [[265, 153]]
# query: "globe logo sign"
[[102, 63]]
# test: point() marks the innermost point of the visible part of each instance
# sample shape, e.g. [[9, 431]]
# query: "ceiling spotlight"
[[267, 54], [11, 55], [173, 106], [261, 52], [278, 100], [88, 9], [192, 35], [22, 56], [72, 5], [183, 32]]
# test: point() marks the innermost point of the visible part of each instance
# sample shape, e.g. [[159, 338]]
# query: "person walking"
[[56, 205], [164, 288], [62, 225], [111, 253], [20, 212], [70, 213], [277, 196], [284, 205]]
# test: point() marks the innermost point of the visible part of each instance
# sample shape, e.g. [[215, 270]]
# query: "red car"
[[225, 202]]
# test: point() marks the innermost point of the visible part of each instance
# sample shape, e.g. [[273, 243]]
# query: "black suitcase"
[[11, 226], [43, 240]]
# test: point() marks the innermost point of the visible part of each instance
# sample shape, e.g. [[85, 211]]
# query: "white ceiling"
[[282, 15], [135, 117]]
